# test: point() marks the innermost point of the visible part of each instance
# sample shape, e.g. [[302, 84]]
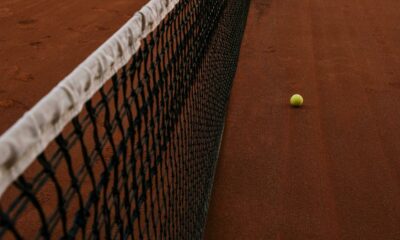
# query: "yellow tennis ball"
[[296, 100]]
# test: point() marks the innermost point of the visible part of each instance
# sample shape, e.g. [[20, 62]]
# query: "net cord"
[[30, 135]]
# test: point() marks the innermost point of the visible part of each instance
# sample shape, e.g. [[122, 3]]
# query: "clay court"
[[43, 41], [327, 170], [331, 169]]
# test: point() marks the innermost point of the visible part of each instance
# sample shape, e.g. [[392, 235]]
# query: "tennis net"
[[126, 146]]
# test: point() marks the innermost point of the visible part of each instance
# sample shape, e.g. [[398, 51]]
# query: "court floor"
[[331, 169], [42, 41]]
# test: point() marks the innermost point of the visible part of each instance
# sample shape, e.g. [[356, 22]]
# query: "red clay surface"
[[330, 170], [41, 41]]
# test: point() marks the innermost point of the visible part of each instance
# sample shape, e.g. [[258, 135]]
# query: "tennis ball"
[[296, 100]]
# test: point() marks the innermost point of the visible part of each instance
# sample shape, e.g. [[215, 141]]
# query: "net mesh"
[[138, 162]]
